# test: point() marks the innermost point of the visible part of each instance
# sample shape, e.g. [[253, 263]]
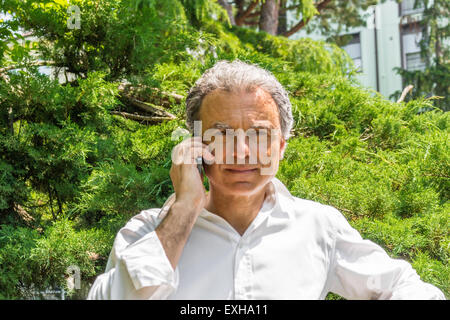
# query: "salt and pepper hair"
[[234, 76]]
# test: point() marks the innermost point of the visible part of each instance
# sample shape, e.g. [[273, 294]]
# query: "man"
[[248, 237]]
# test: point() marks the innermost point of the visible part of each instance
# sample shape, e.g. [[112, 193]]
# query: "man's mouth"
[[241, 170]]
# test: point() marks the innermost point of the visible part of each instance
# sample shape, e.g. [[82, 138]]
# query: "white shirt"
[[293, 249]]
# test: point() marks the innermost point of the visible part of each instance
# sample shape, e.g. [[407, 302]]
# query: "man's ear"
[[283, 145]]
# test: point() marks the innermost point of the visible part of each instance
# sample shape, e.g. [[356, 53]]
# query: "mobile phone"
[[199, 160]]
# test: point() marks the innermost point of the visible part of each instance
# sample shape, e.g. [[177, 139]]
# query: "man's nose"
[[241, 150]]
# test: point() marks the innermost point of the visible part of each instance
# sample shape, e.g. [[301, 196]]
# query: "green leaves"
[[305, 9], [30, 262], [303, 55], [81, 172]]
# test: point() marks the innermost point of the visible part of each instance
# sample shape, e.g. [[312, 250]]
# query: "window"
[[411, 36], [414, 61], [353, 49], [407, 7]]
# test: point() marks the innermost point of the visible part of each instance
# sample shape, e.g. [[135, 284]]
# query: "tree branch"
[[140, 117], [146, 106], [177, 97], [25, 216], [404, 93], [241, 17], [320, 6], [295, 28], [131, 90]]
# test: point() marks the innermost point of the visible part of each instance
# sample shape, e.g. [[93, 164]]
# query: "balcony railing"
[[407, 7]]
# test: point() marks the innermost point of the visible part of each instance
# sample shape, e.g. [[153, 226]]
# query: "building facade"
[[389, 40]]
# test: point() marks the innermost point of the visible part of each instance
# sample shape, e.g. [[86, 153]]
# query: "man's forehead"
[[252, 92], [232, 109], [256, 124]]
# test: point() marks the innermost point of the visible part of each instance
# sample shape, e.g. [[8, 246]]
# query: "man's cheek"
[[217, 149], [270, 169], [211, 170], [270, 161]]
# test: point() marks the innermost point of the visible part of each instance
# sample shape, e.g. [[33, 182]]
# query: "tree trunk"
[[282, 18], [269, 16], [240, 6], [227, 6]]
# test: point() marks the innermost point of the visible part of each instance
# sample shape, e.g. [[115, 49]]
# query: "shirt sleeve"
[[360, 269], [137, 267]]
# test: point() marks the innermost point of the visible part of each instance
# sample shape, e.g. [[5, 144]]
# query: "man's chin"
[[240, 188]]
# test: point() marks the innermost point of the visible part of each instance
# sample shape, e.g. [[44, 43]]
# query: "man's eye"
[[263, 133], [252, 133]]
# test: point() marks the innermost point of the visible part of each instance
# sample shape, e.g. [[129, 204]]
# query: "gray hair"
[[234, 75]]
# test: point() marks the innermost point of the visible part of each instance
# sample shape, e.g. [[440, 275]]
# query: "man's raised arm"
[[142, 264], [138, 267]]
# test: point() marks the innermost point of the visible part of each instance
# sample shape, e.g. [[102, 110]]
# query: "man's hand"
[[190, 194], [186, 179]]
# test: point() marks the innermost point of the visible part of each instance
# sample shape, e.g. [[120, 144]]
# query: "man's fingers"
[[207, 155], [190, 155], [181, 152], [188, 151], [191, 142]]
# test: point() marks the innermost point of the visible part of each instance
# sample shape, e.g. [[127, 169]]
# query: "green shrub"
[[72, 174]]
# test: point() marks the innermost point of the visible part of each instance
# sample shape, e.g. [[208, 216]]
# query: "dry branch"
[[134, 91], [140, 117], [404, 93], [146, 107], [25, 216]]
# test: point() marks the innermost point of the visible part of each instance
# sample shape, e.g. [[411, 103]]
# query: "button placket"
[[237, 287], [243, 271], [247, 273]]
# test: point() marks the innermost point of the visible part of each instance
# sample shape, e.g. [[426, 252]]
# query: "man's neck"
[[238, 211]]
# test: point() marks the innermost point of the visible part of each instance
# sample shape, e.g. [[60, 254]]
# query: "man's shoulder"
[[137, 227], [300, 207], [143, 222], [311, 204], [322, 213]]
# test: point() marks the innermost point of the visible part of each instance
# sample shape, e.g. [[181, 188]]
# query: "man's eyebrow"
[[262, 125], [221, 125]]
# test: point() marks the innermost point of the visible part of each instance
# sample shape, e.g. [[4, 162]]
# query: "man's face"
[[252, 112]]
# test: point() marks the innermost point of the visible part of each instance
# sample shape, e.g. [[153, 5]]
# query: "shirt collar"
[[282, 208], [284, 200], [280, 196]]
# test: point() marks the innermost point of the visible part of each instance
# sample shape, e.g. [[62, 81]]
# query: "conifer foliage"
[[86, 116]]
